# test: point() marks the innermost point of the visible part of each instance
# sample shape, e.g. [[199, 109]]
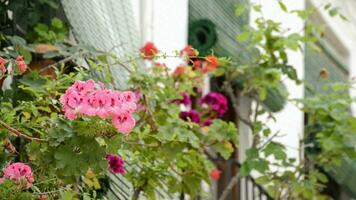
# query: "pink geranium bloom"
[[2, 65], [86, 99], [124, 102], [71, 103], [129, 96], [84, 87], [20, 173], [123, 122], [20, 62], [98, 103]]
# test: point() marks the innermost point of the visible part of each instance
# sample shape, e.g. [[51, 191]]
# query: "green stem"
[[136, 194]]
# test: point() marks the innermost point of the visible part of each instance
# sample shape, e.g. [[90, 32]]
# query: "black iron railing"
[[250, 190], [247, 188]]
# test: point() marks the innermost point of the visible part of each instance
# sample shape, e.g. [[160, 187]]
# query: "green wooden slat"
[[345, 174], [316, 61], [228, 26]]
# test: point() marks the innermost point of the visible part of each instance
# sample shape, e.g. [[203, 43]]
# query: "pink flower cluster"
[[20, 63], [116, 164], [86, 98], [20, 173]]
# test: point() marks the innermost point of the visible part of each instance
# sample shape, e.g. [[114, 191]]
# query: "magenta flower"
[[116, 164], [207, 122], [216, 101], [20, 173], [191, 115], [185, 101]]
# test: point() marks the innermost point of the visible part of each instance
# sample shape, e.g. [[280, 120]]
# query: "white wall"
[[164, 22], [289, 121]]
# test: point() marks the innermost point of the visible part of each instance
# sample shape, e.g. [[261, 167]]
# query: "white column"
[[289, 121], [165, 23], [352, 71]]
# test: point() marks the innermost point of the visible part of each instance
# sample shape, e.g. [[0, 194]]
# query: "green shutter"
[[328, 58], [227, 26], [316, 61]]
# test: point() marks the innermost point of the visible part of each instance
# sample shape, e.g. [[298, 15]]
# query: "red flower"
[[21, 64], [215, 174], [2, 65], [197, 64], [188, 51], [158, 65], [149, 51], [42, 197], [179, 70], [211, 64]]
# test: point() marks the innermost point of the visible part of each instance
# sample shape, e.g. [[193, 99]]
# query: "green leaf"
[[245, 169], [252, 153], [262, 93], [219, 72], [276, 149], [327, 6], [262, 180], [260, 165], [224, 149], [257, 8], [33, 79], [25, 53], [343, 17], [333, 12], [282, 6], [41, 29], [57, 23], [242, 37], [290, 71], [240, 9]]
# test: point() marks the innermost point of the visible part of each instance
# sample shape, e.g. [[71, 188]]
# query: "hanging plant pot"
[[42, 64], [202, 35], [276, 98]]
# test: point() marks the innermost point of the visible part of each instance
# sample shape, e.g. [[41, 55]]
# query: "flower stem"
[[17, 133]]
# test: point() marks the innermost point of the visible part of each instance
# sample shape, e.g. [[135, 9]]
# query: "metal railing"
[[247, 188]]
